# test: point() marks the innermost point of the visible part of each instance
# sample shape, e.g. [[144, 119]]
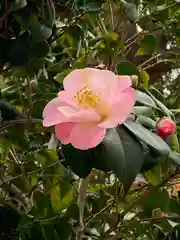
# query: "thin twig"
[[149, 60], [158, 62], [97, 214]]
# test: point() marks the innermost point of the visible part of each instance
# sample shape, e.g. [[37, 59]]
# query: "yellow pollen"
[[86, 97]]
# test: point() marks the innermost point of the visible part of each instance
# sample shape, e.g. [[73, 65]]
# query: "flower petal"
[[131, 92], [51, 107], [51, 114], [119, 111], [123, 82], [66, 97], [74, 80], [103, 82], [85, 136], [82, 115], [63, 132]]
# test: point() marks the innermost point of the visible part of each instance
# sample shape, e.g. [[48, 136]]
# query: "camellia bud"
[[165, 127]]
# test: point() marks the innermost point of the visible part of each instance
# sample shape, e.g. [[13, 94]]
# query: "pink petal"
[[51, 114], [119, 111], [123, 82], [82, 115], [103, 82], [51, 107], [67, 98], [75, 80], [63, 132], [131, 92], [85, 136]]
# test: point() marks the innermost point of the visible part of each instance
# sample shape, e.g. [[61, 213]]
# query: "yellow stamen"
[[87, 98]]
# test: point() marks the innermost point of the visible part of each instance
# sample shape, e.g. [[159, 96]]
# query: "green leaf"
[[148, 45], [16, 5], [160, 105], [150, 161], [40, 32], [64, 229], [144, 111], [36, 232], [55, 196], [144, 78], [174, 206], [154, 176], [62, 194], [49, 232], [60, 76], [91, 7], [148, 137], [19, 52], [81, 162], [144, 99], [156, 200], [147, 122], [124, 154], [127, 68], [40, 49], [100, 162], [175, 157]]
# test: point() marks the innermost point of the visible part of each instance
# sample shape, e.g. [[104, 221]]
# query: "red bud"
[[165, 127]]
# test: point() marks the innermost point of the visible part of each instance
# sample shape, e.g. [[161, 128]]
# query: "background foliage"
[[54, 192]]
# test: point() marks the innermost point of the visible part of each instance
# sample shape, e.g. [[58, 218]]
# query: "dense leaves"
[[131, 188]]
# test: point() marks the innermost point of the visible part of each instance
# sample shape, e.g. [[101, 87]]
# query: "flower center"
[[86, 97]]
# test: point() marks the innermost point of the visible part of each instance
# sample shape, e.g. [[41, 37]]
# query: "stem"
[[112, 16], [83, 186]]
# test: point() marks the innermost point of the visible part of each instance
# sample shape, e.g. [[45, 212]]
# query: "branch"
[[17, 193], [8, 124]]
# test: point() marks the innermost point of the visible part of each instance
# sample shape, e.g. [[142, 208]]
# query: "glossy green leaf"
[[160, 105], [127, 68], [154, 175], [144, 78], [147, 122], [148, 137], [175, 157], [55, 196], [81, 162], [62, 194], [17, 4], [124, 154], [148, 45], [150, 161], [60, 76], [40, 32], [156, 200], [40, 49], [144, 99], [64, 229], [144, 111], [174, 206]]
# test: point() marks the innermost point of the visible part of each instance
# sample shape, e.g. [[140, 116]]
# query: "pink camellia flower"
[[165, 127], [92, 101]]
